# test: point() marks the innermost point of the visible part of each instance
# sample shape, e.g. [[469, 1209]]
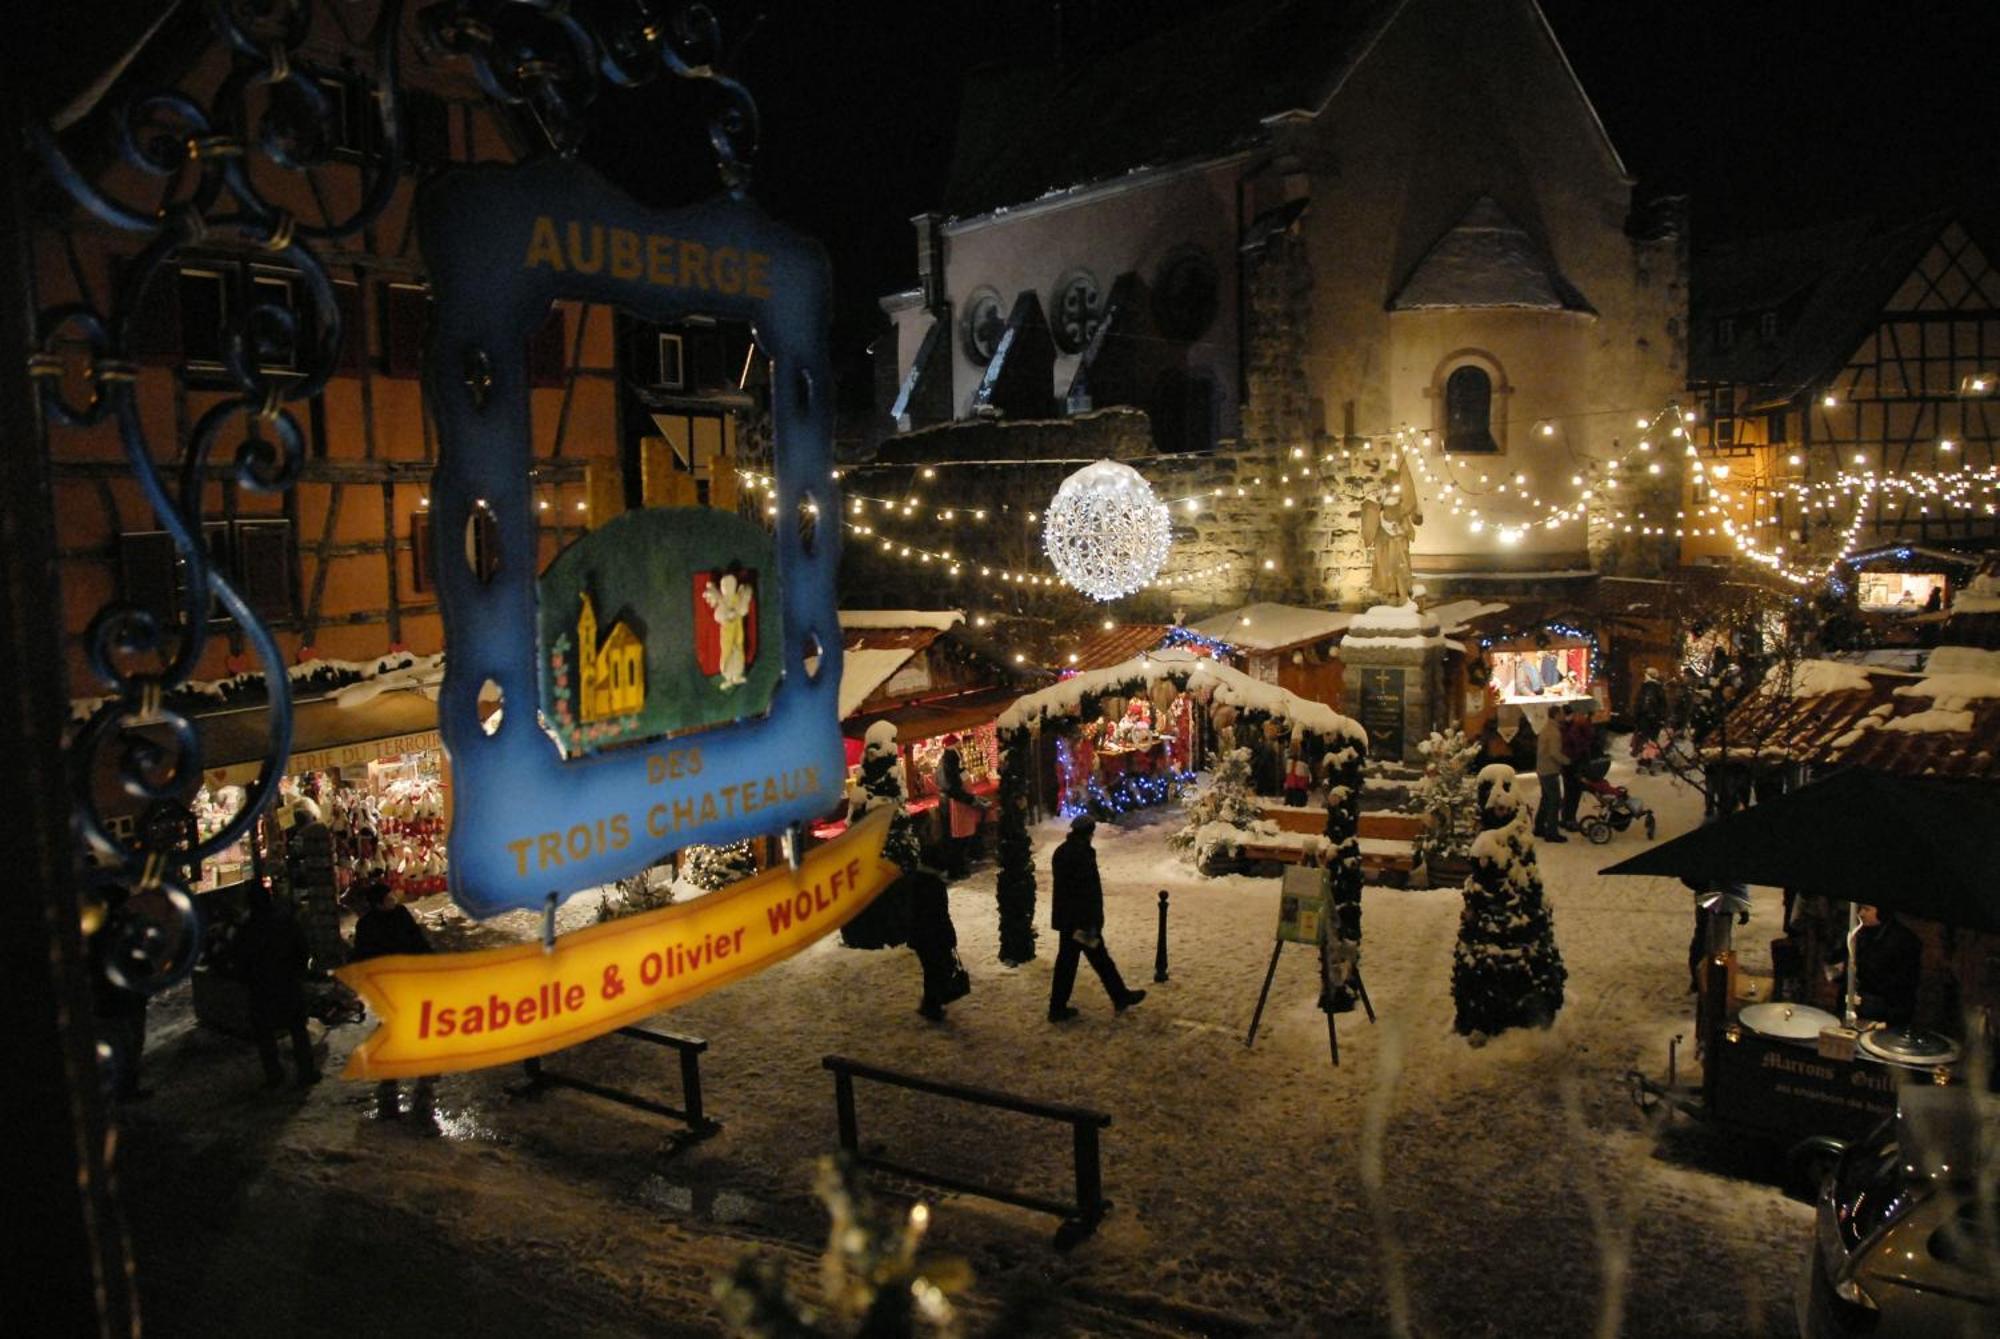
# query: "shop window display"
[[1541, 674]]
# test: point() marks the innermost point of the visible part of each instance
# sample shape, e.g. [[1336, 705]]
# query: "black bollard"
[[1160, 953]]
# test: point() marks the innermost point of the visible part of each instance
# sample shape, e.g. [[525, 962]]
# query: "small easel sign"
[[1305, 916]]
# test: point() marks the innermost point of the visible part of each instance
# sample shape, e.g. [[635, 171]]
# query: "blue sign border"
[[476, 228]]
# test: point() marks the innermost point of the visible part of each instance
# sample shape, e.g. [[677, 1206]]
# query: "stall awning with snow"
[[1197, 674]]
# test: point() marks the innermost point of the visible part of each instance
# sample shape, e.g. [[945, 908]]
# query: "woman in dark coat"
[[386, 928], [275, 956], [935, 941]]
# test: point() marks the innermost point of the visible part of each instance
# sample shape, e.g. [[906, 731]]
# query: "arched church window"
[[1468, 411]]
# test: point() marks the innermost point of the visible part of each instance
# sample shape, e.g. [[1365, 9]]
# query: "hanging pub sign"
[[652, 682]]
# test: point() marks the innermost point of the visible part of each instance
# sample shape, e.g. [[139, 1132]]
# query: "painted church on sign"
[[1286, 255]]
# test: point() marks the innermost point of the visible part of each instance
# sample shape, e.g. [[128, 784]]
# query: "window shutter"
[[264, 567], [405, 313], [146, 572], [353, 351], [547, 358], [156, 323], [420, 552], [704, 352]]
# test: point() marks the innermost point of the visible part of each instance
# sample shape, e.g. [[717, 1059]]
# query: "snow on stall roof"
[[938, 620], [1265, 626], [1817, 678], [1981, 595], [862, 671], [1956, 676], [1230, 687], [1936, 721], [1457, 615]]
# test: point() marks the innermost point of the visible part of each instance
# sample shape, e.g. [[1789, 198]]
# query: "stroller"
[[1616, 807]]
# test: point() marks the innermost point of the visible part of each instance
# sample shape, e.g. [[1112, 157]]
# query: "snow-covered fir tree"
[[1219, 810], [1447, 796], [1342, 769], [1014, 892], [885, 922], [1506, 970], [711, 867]]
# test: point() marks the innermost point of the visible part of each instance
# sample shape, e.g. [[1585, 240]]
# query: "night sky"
[[1770, 114]]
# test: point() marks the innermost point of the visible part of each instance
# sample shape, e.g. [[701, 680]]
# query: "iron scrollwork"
[[538, 55], [138, 907]]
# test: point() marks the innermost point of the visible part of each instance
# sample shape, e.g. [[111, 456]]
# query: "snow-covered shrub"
[[1225, 802], [1506, 970], [629, 897], [1015, 890], [1342, 769], [1446, 796]]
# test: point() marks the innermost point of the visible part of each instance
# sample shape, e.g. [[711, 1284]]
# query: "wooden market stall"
[[934, 678]]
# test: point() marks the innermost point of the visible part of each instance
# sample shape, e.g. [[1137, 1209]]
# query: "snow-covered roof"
[[1942, 722], [1265, 626], [1487, 260], [1230, 687], [1457, 615], [1981, 595], [1817, 678], [1393, 626], [938, 620], [863, 671], [1956, 676]]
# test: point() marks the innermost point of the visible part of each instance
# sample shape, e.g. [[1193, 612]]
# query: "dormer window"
[[1767, 327]]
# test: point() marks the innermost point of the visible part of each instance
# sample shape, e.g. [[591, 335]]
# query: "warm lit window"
[[1468, 410]]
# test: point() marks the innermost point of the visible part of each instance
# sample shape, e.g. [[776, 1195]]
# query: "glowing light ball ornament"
[[1106, 532]]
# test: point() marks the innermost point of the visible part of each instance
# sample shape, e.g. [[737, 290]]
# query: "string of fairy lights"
[[1505, 505]]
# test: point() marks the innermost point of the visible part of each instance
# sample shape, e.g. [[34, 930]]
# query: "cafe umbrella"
[[1927, 847]]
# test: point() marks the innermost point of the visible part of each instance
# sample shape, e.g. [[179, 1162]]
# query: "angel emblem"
[[730, 602]]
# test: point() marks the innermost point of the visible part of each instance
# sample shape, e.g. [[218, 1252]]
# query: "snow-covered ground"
[[1505, 1190]]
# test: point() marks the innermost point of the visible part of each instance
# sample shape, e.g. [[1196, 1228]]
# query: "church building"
[[1281, 258]]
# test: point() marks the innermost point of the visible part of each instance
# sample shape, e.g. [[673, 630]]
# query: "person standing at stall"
[[1077, 914], [1549, 763], [386, 928], [1888, 966], [275, 958], [1579, 743], [962, 811], [1649, 711]]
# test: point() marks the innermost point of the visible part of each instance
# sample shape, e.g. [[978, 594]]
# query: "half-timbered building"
[[1844, 379]]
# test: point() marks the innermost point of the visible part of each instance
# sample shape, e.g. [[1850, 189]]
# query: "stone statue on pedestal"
[[1388, 523]]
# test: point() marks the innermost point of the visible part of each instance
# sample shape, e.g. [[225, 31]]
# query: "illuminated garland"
[[1180, 636]]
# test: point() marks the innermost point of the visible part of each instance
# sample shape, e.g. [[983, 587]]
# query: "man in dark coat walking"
[[1077, 914], [386, 928], [275, 957]]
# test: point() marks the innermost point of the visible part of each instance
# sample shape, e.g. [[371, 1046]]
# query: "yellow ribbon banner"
[[456, 1011]]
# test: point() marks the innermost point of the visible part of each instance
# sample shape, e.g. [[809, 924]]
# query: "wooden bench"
[[1389, 845]]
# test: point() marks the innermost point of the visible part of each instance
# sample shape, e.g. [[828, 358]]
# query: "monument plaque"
[[1382, 711]]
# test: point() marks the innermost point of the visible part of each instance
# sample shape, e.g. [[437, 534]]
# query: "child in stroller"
[[1616, 807], [1649, 751]]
